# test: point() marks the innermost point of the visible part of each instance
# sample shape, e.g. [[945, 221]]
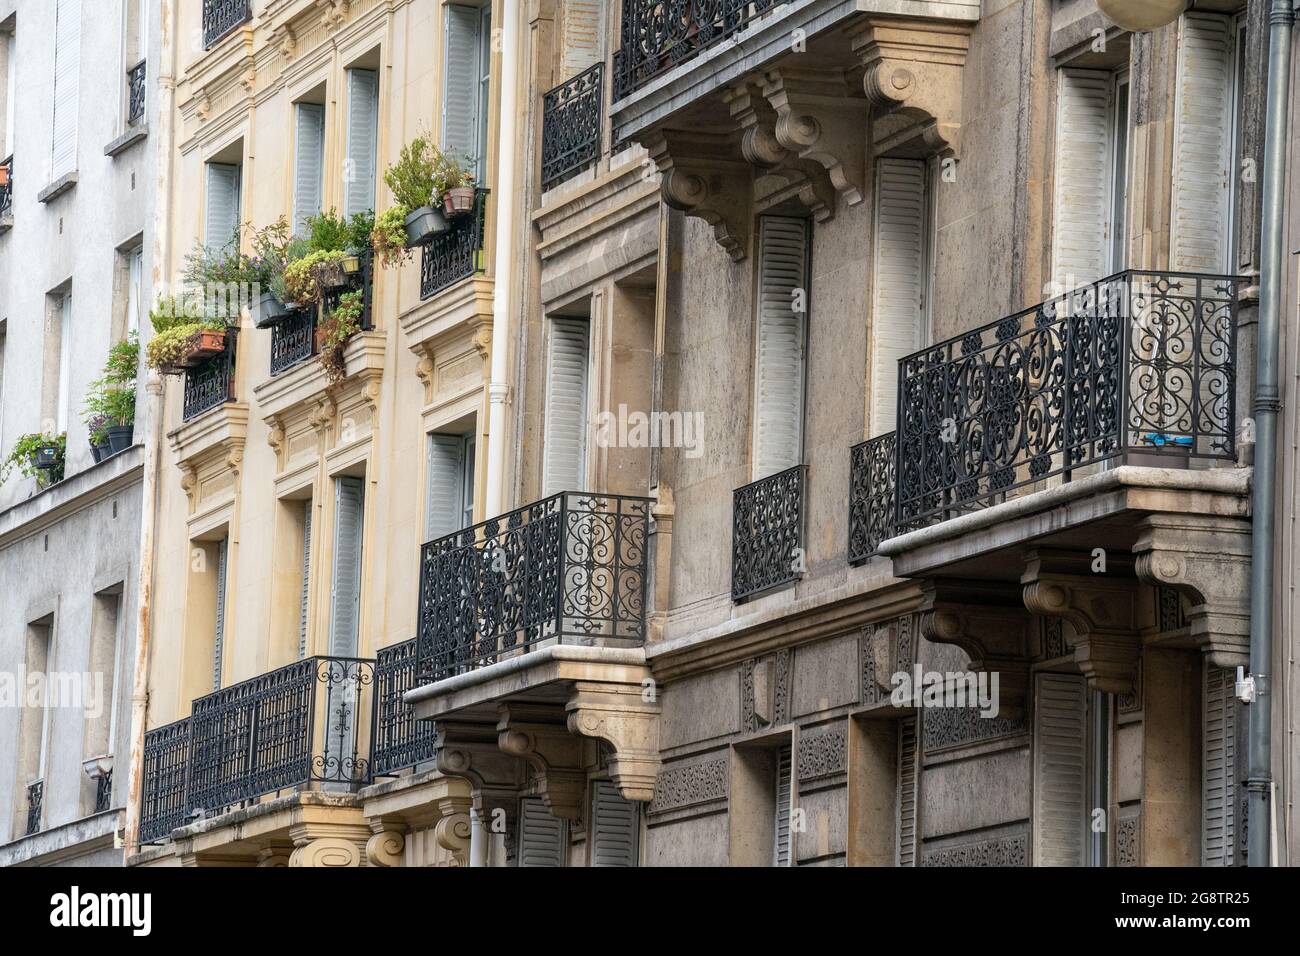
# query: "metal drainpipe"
[[1267, 404]]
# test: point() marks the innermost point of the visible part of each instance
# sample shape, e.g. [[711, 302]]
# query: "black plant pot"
[[423, 224], [47, 457], [120, 438], [99, 452], [271, 311]]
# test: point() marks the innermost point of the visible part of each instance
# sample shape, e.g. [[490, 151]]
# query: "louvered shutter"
[[304, 589], [134, 292], [446, 482], [541, 835], [346, 592], [363, 141], [615, 827], [1219, 769], [906, 799], [584, 35], [564, 464], [221, 218], [779, 354], [67, 81], [898, 283], [1080, 219], [1203, 129], [1060, 784], [219, 635], [309, 161], [460, 94], [781, 854]]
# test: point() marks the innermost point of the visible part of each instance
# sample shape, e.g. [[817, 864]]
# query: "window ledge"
[[57, 188], [128, 139]]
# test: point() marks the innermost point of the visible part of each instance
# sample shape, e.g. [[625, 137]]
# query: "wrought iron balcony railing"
[[35, 805], [1140, 366], [104, 792], [135, 85], [573, 117], [400, 740], [7, 188], [767, 533], [457, 253], [568, 569], [657, 35], [220, 17], [302, 725], [293, 340], [212, 383]]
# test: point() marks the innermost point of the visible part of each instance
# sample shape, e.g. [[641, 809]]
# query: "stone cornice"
[[82, 490]]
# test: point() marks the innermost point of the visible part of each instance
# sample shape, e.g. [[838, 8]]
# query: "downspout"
[[166, 90], [502, 272], [1259, 777]]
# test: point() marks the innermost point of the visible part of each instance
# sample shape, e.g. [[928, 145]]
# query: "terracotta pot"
[[459, 201], [208, 343]]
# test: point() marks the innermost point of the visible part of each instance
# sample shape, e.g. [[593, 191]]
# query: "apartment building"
[[76, 231]]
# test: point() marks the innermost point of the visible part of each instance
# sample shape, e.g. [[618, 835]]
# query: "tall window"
[[64, 344], [304, 583], [10, 49], [134, 289], [219, 612], [345, 597], [780, 344], [450, 488], [34, 729], [565, 455], [1072, 755], [67, 74], [363, 134], [615, 827], [222, 204], [584, 35], [465, 104], [309, 163]]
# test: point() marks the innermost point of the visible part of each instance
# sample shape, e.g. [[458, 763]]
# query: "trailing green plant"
[[270, 246], [305, 278], [168, 348], [360, 226], [451, 171], [411, 178], [327, 232], [343, 322], [23, 457], [388, 237], [111, 399]]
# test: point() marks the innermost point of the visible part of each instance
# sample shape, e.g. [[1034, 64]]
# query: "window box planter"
[[120, 438], [459, 201], [271, 311], [423, 224], [208, 343]]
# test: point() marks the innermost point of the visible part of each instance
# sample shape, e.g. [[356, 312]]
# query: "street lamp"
[[1138, 15]]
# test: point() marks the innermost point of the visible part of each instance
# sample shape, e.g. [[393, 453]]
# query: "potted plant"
[[182, 330], [110, 405], [412, 182], [332, 335], [454, 180], [307, 279], [37, 456], [97, 429], [388, 238], [271, 248]]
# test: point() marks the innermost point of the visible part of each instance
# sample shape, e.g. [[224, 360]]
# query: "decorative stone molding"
[[1128, 840], [885, 648], [452, 831], [782, 686], [385, 848], [274, 856], [334, 13], [470, 750], [1053, 632], [761, 148], [823, 752], [946, 727], [820, 120], [684, 785], [326, 851], [620, 715], [1008, 851], [995, 634], [285, 40], [554, 754], [1132, 703], [701, 176]]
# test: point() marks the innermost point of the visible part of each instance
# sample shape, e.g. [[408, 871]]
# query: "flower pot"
[[47, 457], [270, 311], [99, 452], [120, 438], [207, 343], [423, 224], [459, 201]]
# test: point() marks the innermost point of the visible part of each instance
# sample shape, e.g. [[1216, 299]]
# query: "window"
[[1222, 722], [465, 104], [64, 345], [34, 730], [1072, 748], [345, 593], [10, 47], [101, 731], [221, 214], [584, 35], [615, 827], [564, 462], [1099, 711], [219, 614], [304, 584], [762, 800], [67, 78], [779, 360], [135, 50], [309, 163], [781, 841], [4, 328], [363, 134], [449, 502], [542, 837]]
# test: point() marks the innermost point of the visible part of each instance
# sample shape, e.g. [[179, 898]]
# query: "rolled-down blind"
[[907, 795], [304, 587], [584, 35], [309, 161], [1081, 195], [564, 461], [346, 591], [219, 635], [782, 843], [221, 215], [1219, 769], [1060, 759], [446, 483], [615, 827], [363, 136], [460, 94], [781, 335], [67, 86]]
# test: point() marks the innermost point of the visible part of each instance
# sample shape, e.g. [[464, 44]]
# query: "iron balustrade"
[[7, 190], [1138, 363], [135, 85], [400, 740], [767, 533], [104, 792], [456, 254], [35, 805], [293, 340], [872, 495], [570, 569], [220, 17], [301, 725], [572, 125], [657, 35], [212, 382]]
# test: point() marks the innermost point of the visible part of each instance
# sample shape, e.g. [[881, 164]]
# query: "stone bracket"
[[702, 177], [554, 754], [620, 715], [821, 121]]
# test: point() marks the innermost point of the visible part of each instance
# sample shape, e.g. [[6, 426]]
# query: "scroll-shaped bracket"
[[701, 174], [554, 754], [626, 717]]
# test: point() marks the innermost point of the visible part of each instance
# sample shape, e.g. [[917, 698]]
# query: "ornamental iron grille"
[[572, 123], [220, 17], [135, 83], [104, 792], [457, 253], [293, 340], [35, 806], [7, 190], [212, 382], [362, 280], [298, 725], [657, 35], [1137, 363], [872, 493], [570, 569], [400, 740], [767, 533]]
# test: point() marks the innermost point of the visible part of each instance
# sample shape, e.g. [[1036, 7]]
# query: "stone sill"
[[57, 188], [64, 841], [218, 427], [306, 381], [128, 139], [73, 493]]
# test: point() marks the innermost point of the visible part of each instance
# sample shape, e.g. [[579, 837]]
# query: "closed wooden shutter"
[[541, 835], [1081, 197], [584, 35], [907, 795], [134, 290], [309, 164], [221, 216], [1203, 140], [615, 827], [219, 635], [781, 855], [1219, 769], [781, 342], [363, 142], [67, 83], [349, 497], [898, 281], [564, 463], [304, 589], [443, 512], [460, 94], [1060, 782]]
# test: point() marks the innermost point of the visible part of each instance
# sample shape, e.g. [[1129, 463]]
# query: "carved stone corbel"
[[554, 754], [702, 176], [386, 846], [470, 750], [914, 69], [821, 121], [285, 40], [1102, 608], [620, 715], [759, 145], [1206, 558], [452, 831]]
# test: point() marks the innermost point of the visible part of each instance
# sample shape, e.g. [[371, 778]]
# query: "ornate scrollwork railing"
[[135, 85], [7, 188], [767, 533], [222, 16], [573, 116], [35, 805], [400, 740], [872, 494], [570, 568], [457, 253], [212, 382], [104, 792], [293, 340]]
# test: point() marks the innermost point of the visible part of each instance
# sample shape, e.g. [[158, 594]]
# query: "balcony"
[[570, 569], [456, 254], [7, 192], [767, 533], [135, 85], [211, 383], [221, 17], [293, 341], [35, 806], [573, 119], [400, 740]]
